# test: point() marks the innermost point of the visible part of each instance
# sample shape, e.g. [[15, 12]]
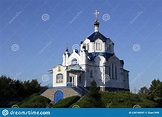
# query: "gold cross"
[[96, 14]]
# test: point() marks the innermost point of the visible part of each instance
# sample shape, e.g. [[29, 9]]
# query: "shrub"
[[35, 101], [65, 103]]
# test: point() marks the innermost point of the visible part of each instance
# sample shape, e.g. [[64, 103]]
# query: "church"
[[95, 60]]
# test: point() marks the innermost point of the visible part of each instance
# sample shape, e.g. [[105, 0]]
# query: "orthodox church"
[[95, 60]]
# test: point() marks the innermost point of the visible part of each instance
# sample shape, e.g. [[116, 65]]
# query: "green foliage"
[[15, 90], [94, 96], [35, 101], [156, 88], [155, 93], [118, 100], [31, 87], [12, 90], [65, 103], [143, 91], [93, 89], [83, 102]]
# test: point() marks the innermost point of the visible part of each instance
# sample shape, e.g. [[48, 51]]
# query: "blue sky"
[[34, 33]]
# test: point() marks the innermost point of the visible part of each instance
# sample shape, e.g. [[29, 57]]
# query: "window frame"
[[74, 60], [59, 78], [98, 46]]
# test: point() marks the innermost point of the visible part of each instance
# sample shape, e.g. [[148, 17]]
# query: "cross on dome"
[[96, 14], [96, 23]]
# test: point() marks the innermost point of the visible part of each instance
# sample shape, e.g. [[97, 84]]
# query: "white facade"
[[96, 60]]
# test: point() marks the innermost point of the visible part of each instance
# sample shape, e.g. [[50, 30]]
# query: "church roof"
[[74, 67], [97, 35], [91, 56]]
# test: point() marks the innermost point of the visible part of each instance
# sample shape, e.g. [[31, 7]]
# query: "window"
[[59, 78], [91, 74], [80, 78], [112, 71], [88, 46], [74, 61], [116, 72], [98, 46], [110, 48]]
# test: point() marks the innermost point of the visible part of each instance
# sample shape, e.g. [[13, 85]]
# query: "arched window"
[[98, 46], [114, 71], [110, 72], [59, 78], [74, 61], [80, 78], [91, 74]]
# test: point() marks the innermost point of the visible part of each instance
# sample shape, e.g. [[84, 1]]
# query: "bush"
[[35, 101], [84, 102], [118, 100], [65, 103]]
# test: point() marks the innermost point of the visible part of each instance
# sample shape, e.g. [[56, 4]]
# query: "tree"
[[156, 88], [94, 96], [155, 92], [154, 84], [15, 90], [31, 87], [143, 91]]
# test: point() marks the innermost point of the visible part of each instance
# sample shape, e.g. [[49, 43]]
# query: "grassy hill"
[[34, 101], [65, 103], [118, 100], [110, 100]]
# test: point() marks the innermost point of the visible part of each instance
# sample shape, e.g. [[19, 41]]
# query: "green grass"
[[118, 100], [110, 99], [34, 101], [65, 103]]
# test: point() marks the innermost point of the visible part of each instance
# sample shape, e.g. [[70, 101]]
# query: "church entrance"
[[72, 80], [58, 95]]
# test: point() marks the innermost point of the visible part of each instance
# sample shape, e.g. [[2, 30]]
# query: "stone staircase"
[[67, 91], [81, 90], [84, 90]]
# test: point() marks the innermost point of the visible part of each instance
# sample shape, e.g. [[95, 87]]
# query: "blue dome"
[[97, 35]]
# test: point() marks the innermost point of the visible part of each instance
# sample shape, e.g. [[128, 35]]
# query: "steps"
[[67, 91], [84, 90]]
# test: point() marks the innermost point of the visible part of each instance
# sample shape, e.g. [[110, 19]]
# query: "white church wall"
[[74, 55], [126, 83], [83, 57], [91, 47], [116, 79], [99, 69], [86, 43], [63, 60], [59, 70]]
